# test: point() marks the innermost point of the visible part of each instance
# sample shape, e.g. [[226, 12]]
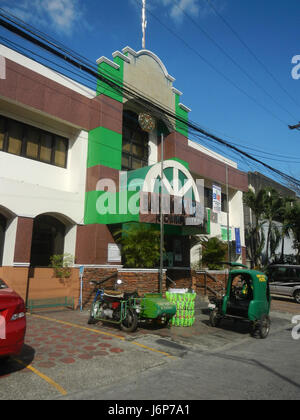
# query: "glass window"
[[2, 132], [15, 132], [136, 164], [135, 143], [224, 203], [60, 153], [208, 198], [46, 147], [32, 142], [126, 162], [138, 151]]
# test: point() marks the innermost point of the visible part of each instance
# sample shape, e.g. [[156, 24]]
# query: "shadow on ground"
[[14, 364]]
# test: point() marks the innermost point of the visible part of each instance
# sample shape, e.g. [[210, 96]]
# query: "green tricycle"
[[247, 298]]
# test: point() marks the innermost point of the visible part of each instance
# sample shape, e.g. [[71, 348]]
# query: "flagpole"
[[144, 24]]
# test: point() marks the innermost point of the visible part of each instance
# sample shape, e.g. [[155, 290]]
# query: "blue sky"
[[219, 92]]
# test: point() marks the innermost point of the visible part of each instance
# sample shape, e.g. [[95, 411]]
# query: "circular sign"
[[147, 122]]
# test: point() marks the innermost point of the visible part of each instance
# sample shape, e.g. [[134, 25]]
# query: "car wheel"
[[297, 296]]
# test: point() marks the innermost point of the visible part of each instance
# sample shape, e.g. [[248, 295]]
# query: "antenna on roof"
[[144, 24]]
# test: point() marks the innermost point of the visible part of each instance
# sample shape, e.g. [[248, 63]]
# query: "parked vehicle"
[[127, 309], [247, 299], [114, 307], [284, 280], [12, 321]]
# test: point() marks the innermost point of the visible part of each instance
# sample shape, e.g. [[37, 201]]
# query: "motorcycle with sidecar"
[[127, 309], [247, 299]]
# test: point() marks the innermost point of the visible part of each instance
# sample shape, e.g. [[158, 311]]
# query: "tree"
[[140, 246], [214, 252], [284, 218], [293, 220], [272, 212], [255, 238]]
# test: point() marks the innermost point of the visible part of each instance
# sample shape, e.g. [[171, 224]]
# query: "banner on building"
[[217, 199], [238, 241]]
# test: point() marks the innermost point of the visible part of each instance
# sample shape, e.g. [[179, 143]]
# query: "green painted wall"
[[111, 203], [181, 127], [105, 148], [115, 75]]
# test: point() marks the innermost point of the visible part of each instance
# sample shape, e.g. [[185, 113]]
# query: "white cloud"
[[61, 15], [177, 9]]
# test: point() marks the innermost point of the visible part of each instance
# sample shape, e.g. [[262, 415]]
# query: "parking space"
[[63, 355]]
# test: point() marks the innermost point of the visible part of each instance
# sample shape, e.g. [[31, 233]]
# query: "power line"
[[74, 54], [251, 52], [206, 34], [216, 69], [144, 100]]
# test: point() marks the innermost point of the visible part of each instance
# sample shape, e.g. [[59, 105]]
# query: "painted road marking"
[[151, 349], [104, 333], [78, 326], [44, 377]]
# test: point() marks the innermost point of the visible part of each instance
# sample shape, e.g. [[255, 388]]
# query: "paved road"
[[253, 370], [64, 358]]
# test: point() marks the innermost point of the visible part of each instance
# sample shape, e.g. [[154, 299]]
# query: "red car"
[[12, 321]]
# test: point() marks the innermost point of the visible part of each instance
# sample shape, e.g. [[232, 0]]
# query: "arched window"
[[47, 239], [135, 143], [3, 223]]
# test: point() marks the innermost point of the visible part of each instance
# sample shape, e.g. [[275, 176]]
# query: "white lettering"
[[2, 68], [296, 329], [2, 328], [296, 69]]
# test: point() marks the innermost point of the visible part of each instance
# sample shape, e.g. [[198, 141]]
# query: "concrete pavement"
[[64, 356]]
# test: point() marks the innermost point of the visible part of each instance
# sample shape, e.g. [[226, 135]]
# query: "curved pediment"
[[128, 50]]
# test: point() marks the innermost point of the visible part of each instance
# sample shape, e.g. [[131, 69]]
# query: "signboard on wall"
[[238, 241], [114, 253], [217, 199]]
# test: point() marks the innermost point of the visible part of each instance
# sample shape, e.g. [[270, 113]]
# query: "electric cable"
[[258, 85], [251, 52], [145, 102]]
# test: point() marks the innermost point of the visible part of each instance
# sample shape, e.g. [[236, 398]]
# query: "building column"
[[23, 242]]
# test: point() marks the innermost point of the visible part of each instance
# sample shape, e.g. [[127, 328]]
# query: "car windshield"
[[3, 285]]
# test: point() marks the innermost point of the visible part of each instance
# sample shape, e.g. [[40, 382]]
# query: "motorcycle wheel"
[[130, 323], [92, 319]]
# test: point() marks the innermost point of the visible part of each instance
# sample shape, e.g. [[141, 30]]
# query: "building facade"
[[75, 164]]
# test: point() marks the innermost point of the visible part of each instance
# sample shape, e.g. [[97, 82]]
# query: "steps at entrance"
[[201, 303]]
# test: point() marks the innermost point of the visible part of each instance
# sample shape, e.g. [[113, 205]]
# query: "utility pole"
[[227, 193], [161, 217]]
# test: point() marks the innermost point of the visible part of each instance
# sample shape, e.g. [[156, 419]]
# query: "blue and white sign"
[[238, 250]]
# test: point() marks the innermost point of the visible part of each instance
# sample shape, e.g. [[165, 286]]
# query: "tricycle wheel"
[[214, 319], [129, 324], [261, 328]]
